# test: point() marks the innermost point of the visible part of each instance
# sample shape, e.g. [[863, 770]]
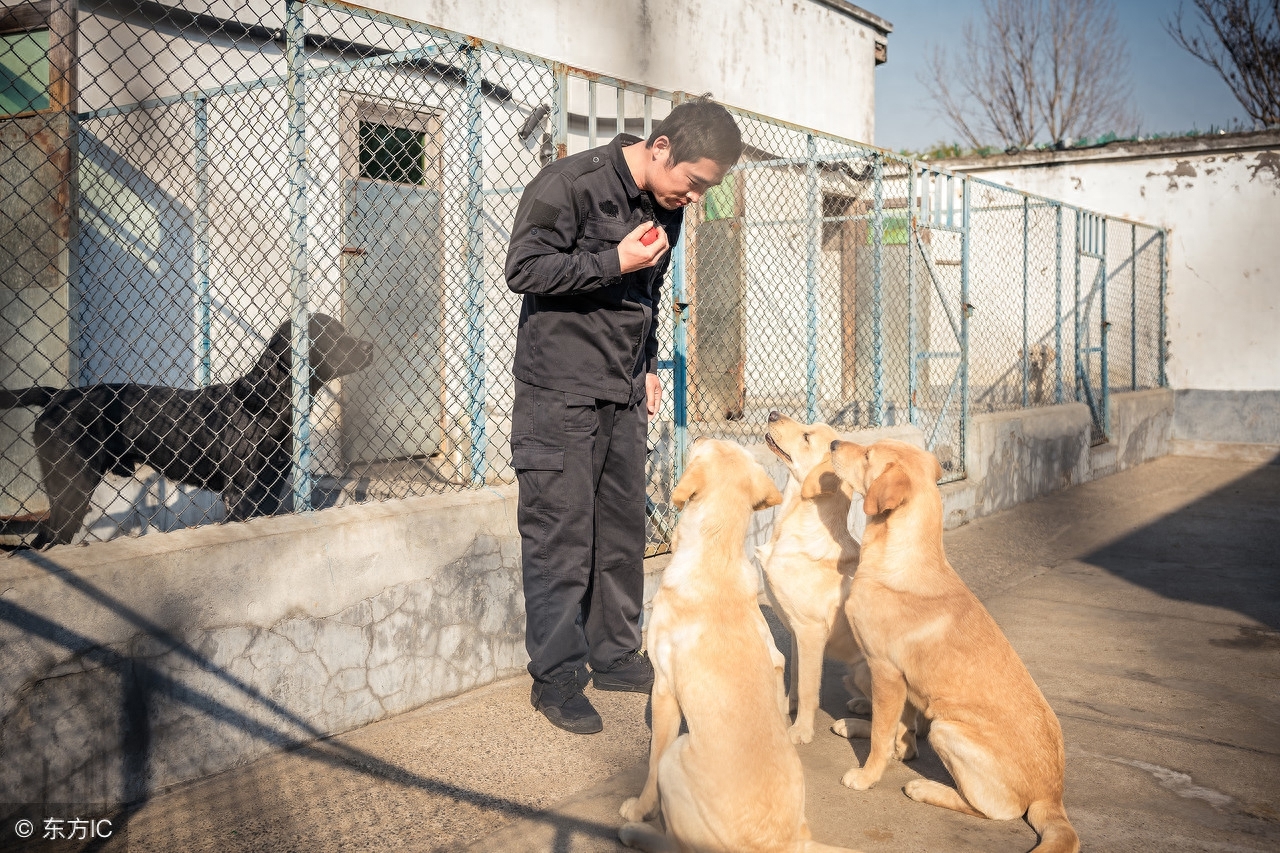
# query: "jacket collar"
[[620, 162]]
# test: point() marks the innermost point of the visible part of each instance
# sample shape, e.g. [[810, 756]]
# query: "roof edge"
[[1253, 140], [859, 14]]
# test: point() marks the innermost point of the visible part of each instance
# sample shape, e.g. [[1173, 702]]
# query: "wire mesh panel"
[[1133, 295], [252, 262]]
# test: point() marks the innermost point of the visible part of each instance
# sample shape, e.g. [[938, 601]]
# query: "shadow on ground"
[[1222, 550]]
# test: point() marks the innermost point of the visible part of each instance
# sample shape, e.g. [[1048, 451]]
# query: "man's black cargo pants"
[[580, 463]]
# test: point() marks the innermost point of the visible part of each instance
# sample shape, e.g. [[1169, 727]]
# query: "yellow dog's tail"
[[1049, 818]]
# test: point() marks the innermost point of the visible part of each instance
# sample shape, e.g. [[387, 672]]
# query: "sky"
[[1171, 90]]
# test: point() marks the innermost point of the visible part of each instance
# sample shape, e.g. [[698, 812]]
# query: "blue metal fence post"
[[813, 248], [1077, 358], [1163, 343], [204, 308], [965, 246], [1057, 304], [474, 303], [560, 111], [592, 134], [1101, 247], [299, 260], [877, 296], [912, 374], [679, 352], [1133, 307], [1026, 252]]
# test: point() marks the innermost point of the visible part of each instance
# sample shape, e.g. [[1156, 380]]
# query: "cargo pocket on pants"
[[535, 457]]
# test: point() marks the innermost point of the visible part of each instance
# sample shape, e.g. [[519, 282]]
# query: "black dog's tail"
[[38, 396]]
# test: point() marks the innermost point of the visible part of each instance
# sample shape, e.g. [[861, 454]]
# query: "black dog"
[[233, 438]]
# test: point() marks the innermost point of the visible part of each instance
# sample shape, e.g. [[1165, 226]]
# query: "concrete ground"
[[1146, 605]]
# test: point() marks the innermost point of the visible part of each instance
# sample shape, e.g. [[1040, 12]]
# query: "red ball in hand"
[[649, 236]]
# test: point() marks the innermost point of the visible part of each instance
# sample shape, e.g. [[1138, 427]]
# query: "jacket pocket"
[[598, 230]]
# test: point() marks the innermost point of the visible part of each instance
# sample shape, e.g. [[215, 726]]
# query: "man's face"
[[684, 183]]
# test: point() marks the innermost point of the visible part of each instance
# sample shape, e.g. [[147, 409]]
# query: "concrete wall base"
[[1021, 455], [1227, 417], [1233, 451], [131, 665]]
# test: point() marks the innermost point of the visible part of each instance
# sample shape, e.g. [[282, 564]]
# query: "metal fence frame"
[[938, 202]]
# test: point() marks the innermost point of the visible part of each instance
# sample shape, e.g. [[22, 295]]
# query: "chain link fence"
[[251, 260]]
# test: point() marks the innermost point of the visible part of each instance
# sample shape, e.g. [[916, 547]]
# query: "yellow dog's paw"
[[859, 706], [800, 734], [915, 789], [632, 810], [858, 779], [852, 727]]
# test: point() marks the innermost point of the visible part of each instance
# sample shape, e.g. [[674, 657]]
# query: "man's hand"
[[652, 393], [634, 255]]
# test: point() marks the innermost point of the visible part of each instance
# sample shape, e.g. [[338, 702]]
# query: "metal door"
[[391, 295]]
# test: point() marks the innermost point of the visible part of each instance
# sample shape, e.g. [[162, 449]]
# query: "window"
[[393, 154], [24, 72]]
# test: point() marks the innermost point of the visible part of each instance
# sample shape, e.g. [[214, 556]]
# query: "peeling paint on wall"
[[1267, 161], [1183, 169]]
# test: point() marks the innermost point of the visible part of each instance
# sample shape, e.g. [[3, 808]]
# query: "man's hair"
[[700, 128]]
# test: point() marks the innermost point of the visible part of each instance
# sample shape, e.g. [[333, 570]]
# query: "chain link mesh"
[[252, 258]]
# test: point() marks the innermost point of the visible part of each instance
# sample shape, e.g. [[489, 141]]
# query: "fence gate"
[[1093, 386], [939, 313]]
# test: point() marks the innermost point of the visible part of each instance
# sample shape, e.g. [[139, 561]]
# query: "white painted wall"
[[797, 60], [1220, 200]]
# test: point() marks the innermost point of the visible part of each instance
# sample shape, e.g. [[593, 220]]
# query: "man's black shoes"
[[566, 707], [631, 672]]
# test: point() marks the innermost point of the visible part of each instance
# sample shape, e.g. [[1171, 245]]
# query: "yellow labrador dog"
[[809, 563], [734, 782], [929, 641]]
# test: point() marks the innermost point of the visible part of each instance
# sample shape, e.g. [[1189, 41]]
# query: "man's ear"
[[691, 482], [764, 493], [889, 491], [821, 480]]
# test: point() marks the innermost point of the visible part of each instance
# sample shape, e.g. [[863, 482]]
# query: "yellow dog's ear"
[[691, 482], [821, 480], [889, 491], [763, 492]]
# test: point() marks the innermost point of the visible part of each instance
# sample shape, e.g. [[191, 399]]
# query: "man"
[[585, 387]]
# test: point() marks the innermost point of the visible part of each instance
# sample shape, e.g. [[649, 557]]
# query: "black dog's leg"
[[261, 496], [69, 480]]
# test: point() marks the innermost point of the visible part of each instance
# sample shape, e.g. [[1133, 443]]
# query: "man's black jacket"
[[584, 327]]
